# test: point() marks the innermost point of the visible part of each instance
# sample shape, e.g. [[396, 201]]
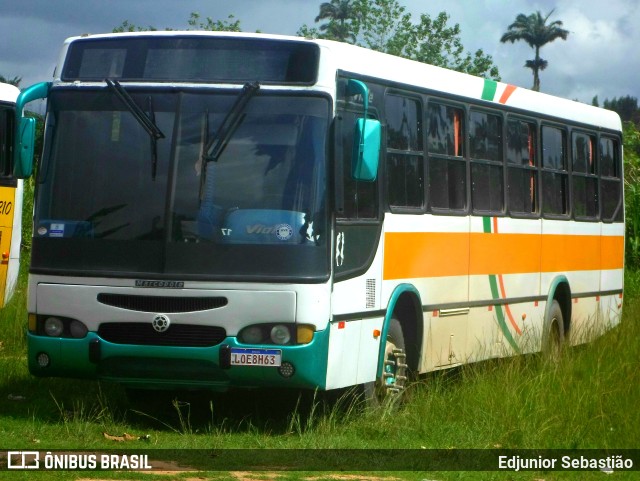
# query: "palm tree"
[[534, 30], [337, 12]]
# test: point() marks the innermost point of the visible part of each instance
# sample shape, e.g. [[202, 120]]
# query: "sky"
[[600, 57]]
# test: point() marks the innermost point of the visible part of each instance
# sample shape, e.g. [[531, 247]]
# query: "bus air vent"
[[162, 303]]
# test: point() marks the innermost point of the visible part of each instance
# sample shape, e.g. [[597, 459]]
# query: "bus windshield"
[[126, 204]]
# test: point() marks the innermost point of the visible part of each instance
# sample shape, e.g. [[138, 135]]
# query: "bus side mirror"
[[366, 150], [23, 160], [26, 130], [366, 138]]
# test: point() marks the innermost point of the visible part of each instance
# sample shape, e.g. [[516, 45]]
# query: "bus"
[[10, 197], [227, 210]]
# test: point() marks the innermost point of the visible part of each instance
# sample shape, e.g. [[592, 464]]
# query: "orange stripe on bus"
[[432, 254], [425, 254], [507, 93]]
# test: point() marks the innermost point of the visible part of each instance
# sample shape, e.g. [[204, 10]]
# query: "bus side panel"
[[356, 305], [7, 210], [431, 253]]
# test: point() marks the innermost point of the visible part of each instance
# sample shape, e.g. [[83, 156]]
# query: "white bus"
[[10, 196], [220, 210]]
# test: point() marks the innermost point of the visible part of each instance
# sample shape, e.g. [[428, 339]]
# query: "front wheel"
[[392, 382]]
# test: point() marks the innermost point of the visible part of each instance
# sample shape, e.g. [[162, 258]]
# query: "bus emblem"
[[161, 323]]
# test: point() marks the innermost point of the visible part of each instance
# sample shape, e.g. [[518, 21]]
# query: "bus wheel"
[[554, 342], [392, 382]]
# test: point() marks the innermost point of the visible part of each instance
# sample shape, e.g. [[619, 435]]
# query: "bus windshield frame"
[[258, 212]]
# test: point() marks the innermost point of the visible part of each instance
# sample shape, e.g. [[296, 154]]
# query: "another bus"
[[10, 196], [222, 210]]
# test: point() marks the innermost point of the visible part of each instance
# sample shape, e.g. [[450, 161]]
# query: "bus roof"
[[369, 63], [8, 93]]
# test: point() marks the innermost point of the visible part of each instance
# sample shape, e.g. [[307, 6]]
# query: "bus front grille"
[[178, 335], [162, 303]]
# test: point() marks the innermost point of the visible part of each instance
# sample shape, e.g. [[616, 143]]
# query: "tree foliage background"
[[386, 26]]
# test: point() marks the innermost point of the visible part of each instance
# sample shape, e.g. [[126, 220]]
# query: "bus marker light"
[[524, 316], [376, 333], [342, 325], [32, 322], [43, 359], [304, 334]]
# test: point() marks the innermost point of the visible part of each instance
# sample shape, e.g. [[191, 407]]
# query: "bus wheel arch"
[[408, 311]]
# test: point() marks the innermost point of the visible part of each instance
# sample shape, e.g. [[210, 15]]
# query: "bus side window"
[[610, 180], [522, 173], [584, 176], [6, 142], [487, 167], [555, 188], [405, 162], [447, 176]]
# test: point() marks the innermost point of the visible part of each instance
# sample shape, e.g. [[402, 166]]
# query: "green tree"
[[626, 107], [231, 24], [340, 14], [386, 26], [536, 32], [12, 81], [125, 26], [434, 41], [631, 145]]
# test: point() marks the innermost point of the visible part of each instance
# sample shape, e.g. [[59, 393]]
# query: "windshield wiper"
[[146, 121], [216, 145]]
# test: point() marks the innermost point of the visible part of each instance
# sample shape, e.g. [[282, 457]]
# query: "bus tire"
[[554, 340], [391, 384]]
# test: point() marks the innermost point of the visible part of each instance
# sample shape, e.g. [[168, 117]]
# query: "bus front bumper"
[[160, 367]]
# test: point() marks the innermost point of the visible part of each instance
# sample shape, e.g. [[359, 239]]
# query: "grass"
[[588, 400]]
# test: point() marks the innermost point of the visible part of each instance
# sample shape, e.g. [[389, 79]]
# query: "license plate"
[[256, 357]]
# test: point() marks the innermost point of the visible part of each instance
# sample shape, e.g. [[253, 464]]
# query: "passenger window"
[[405, 162], [447, 168], [487, 176], [522, 174], [610, 179], [555, 178], [583, 176], [6, 139]]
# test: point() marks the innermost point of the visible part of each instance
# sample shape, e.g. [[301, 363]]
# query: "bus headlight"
[[53, 327], [252, 335], [78, 329], [280, 334]]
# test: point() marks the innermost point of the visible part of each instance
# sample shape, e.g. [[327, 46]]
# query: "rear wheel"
[[390, 385]]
